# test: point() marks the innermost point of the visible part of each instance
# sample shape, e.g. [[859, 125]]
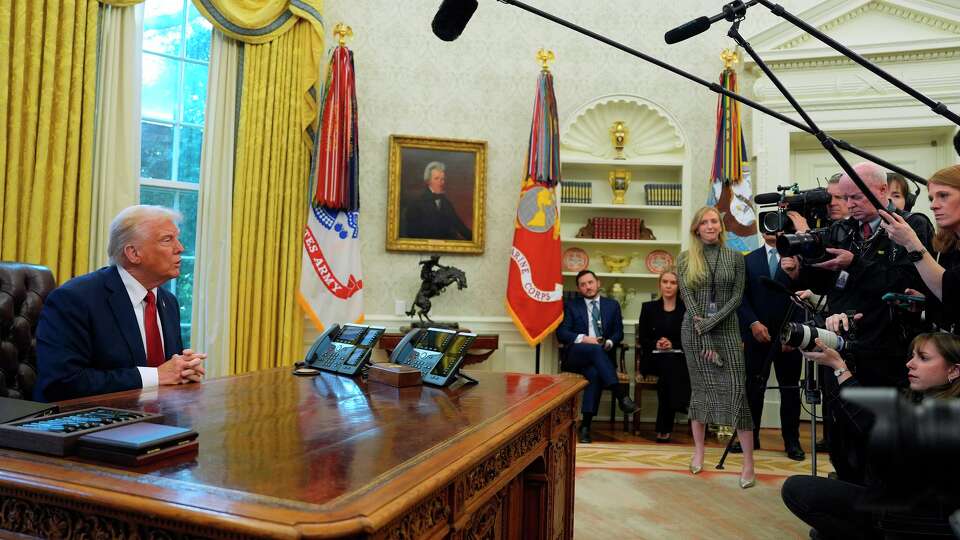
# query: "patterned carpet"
[[641, 491]]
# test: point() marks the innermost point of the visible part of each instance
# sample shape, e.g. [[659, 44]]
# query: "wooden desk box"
[[394, 374]]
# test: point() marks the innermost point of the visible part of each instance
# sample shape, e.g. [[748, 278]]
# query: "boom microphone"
[[767, 198], [452, 18], [733, 11]]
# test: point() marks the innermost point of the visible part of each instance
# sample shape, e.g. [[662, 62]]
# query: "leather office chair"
[[23, 289]]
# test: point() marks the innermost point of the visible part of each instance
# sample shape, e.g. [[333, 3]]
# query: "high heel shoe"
[[744, 484], [695, 469]]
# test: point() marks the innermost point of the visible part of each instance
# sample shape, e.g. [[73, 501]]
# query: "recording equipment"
[[732, 12], [812, 204], [811, 245], [803, 337], [342, 349], [436, 352], [452, 18]]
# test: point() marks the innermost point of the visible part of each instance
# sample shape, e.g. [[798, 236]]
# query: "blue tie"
[[595, 314], [773, 263]]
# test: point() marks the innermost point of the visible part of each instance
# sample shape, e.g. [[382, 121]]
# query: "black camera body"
[[812, 204]]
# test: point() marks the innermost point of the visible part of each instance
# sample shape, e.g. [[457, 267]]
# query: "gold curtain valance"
[[261, 21], [121, 3]]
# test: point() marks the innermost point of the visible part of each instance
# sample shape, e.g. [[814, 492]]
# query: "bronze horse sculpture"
[[434, 277]]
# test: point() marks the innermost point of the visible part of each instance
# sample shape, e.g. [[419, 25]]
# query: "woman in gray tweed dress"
[[711, 285]]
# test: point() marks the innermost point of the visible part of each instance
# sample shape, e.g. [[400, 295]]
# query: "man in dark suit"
[[431, 214], [592, 327], [115, 329], [761, 316]]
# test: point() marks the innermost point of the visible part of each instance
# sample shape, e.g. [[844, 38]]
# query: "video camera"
[[812, 204]]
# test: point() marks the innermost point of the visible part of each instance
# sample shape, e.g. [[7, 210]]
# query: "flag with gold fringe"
[[331, 282], [731, 189], [534, 284]]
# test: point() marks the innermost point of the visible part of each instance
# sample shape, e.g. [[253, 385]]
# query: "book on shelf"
[[663, 194], [575, 192]]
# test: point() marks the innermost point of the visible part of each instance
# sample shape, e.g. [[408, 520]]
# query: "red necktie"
[[154, 341], [866, 230]]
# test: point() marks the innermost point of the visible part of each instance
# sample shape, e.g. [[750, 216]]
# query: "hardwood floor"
[[769, 437]]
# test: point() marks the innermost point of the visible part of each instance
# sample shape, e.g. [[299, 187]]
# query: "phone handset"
[[322, 343], [405, 348]]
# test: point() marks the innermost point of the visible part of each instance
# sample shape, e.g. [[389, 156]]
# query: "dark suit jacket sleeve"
[[745, 313], [65, 346], [566, 333]]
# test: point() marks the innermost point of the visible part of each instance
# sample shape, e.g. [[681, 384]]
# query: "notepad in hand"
[[137, 444]]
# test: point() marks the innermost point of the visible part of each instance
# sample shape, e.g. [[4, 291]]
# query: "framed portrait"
[[435, 194]]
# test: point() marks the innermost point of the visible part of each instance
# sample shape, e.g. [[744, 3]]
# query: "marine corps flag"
[[534, 283], [331, 283]]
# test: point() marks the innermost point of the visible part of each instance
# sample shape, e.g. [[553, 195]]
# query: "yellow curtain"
[[282, 57], [47, 95]]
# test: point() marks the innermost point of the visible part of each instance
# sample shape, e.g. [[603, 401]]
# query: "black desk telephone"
[[344, 349], [436, 352]]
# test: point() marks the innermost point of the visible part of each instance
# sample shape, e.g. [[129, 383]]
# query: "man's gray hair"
[[127, 227], [433, 165], [835, 179]]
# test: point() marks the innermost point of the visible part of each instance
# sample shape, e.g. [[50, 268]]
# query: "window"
[[176, 53]]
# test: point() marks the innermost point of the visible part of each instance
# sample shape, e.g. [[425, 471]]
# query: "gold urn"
[[616, 263], [618, 136], [619, 182], [620, 294]]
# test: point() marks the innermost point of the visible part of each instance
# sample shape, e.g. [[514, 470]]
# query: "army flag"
[[731, 190], [534, 283], [331, 282]]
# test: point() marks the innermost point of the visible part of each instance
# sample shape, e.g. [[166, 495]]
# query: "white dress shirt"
[[138, 298], [590, 332]]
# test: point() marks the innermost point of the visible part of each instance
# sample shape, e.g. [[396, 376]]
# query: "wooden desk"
[[480, 349], [325, 457]]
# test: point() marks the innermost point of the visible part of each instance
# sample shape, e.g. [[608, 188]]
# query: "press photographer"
[[940, 271], [916, 492]]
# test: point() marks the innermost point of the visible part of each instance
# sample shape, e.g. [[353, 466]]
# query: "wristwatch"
[[916, 256], [839, 371]]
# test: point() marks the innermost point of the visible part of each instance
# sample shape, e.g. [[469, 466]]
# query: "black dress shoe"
[[796, 453], [627, 405], [822, 446], [735, 448], [583, 434]]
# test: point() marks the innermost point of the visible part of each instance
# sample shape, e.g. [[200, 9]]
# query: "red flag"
[[534, 282]]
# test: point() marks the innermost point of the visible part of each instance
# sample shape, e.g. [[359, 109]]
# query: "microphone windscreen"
[[766, 198], [452, 18], [688, 30]]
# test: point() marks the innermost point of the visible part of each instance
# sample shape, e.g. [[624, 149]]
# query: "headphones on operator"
[[910, 199]]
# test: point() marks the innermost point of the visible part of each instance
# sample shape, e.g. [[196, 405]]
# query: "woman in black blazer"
[[662, 354]]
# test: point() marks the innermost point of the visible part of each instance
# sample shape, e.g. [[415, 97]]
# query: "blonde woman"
[[711, 287]]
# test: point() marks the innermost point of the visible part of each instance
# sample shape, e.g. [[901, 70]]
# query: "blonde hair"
[[696, 265], [946, 240], [948, 345], [673, 272]]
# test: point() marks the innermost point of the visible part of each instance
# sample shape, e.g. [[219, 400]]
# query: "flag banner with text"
[[331, 282], [535, 283]]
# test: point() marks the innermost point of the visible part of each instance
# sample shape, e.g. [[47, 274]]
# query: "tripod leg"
[[725, 452]]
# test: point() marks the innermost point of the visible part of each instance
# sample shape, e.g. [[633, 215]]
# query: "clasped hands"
[[595, 341], [182, 368]]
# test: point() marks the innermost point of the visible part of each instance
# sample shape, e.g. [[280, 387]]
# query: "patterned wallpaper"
[[482, 87]]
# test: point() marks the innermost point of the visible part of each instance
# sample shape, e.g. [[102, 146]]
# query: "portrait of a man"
[[436, 195]]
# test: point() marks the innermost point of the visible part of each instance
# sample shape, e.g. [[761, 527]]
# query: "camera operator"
[[865, 266], [832, 507], [836, 208], [940, 272]]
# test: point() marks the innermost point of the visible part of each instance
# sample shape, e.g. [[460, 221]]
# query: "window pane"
[[158, 196], [198, 35], [187, 205], [156, 150], [194, 92], [162, 26], [191, 142], [161, 76]]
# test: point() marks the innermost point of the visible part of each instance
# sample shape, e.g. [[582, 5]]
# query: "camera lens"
[[803, 337]]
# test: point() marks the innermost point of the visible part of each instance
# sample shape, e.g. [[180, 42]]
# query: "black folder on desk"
[[137, 444], [12, 410]]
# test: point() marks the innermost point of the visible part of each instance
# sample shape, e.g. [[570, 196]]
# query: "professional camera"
[[803, 337], [923, 435], [812, 204], [810, 245]]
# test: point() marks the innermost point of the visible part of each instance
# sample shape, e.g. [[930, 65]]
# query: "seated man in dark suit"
[[592, 326], [115, 329], [761, 315]]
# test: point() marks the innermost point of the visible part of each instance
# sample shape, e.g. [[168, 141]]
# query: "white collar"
[[135, 289]]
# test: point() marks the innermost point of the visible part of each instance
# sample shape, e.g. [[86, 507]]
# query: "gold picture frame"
[[433, 208]]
